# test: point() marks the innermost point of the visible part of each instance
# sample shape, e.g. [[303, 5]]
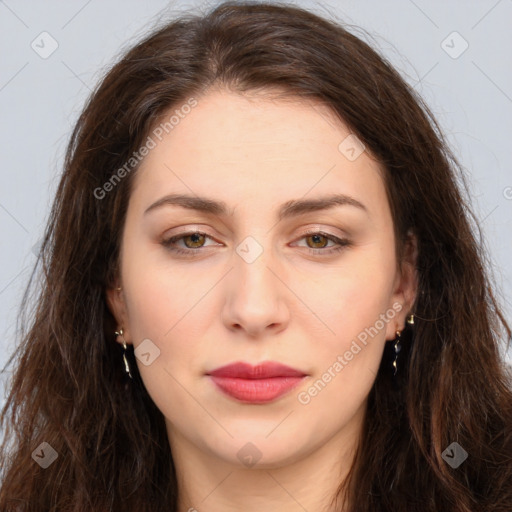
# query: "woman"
[[261, 290]]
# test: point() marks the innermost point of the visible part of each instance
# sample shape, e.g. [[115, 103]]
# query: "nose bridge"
[[256, 296], [252, 259]]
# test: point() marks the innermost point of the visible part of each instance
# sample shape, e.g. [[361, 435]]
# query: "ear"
[[117, 306], [405, 286]]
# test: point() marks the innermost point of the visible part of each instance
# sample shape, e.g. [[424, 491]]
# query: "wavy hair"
[[69, 388]]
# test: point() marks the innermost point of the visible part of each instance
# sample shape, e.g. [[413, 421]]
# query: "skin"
[[291, 306]]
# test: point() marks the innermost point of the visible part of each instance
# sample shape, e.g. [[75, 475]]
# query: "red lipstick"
[[256, 384]]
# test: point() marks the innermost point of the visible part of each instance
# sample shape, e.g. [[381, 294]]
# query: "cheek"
[[333, 397], [157, 289], [160, 309], [347, 354], [161, 300], [355, 309], [352, 296]]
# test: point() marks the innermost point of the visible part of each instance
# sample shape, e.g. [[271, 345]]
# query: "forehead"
[[238, 147]]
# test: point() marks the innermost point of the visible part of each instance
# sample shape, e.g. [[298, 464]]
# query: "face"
[[316, 288]]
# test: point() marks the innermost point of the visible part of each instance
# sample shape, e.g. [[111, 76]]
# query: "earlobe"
[[116, 305], [406, 285]]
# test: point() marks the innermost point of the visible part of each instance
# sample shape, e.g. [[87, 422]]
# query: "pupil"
[[316, 237], [194, 238]]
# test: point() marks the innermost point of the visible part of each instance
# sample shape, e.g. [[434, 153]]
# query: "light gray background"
[[40, 99]]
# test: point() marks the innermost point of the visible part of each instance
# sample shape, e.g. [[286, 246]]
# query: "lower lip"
[[256, 391]]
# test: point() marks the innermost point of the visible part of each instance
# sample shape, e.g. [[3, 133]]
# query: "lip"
[[265, 370], [262, 383]]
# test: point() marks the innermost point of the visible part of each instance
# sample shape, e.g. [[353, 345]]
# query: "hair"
[[69, 388]]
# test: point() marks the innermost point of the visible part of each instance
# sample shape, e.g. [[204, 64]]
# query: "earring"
[[397, 347], [126, 365], [410, 320]]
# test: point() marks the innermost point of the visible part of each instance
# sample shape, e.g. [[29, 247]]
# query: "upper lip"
[[264, 370]]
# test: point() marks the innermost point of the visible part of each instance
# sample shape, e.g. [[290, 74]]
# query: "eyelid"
[[179, 236], [318, 229], [339, 242]]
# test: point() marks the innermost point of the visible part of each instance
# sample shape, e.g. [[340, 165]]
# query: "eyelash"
[[341, 243]]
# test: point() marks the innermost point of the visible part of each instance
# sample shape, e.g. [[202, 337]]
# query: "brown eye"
[[317, 240], [316, 243], [197, 240], [186, 243]]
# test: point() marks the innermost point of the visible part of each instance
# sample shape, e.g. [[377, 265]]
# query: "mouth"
[[259, 384]]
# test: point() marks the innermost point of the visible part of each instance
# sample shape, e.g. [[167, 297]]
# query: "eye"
[[320, 238], [197, 239], [194, 241]]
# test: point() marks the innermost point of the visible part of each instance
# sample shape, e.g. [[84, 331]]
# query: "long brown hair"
[[69, 388]]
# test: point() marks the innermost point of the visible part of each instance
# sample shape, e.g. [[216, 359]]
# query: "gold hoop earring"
[[410, 320], [126, 365]]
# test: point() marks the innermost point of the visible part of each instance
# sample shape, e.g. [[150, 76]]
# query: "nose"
[[256, 297]]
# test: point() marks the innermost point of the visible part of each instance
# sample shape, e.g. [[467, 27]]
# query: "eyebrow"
[[289, 209]]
